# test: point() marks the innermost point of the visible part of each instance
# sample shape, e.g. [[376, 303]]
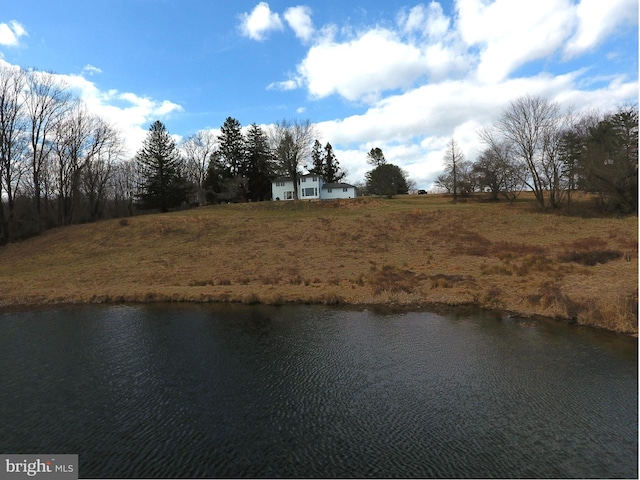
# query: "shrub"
[[590, 258], [495, 270], [505, 250], [392, 280], [534, 263], [588, 243], [250, 299], [550, 295], [620, 315], [331, 299], [492, 296], [445, 281], [296, 279]]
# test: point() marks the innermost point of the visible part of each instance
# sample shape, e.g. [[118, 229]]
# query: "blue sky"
[[402, 76]]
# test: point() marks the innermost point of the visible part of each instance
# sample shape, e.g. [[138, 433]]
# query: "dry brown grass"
[[405, 251]]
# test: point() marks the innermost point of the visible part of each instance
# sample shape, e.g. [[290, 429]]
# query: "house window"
[[345, 189], [329, 190], [288, 195], [314, 179], [279, 184], [308, 192], [303, 179]]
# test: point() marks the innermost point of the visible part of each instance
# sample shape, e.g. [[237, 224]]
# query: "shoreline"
[[436, 308]]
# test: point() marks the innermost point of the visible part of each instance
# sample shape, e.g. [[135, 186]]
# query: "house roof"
[[337, 185], [288, 179]]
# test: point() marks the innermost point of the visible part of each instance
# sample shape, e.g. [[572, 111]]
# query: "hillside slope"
[[413, 251]]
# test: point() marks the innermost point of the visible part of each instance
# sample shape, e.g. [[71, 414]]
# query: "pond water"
[[307, 391]]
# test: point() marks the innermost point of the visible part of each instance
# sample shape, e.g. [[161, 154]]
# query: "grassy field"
[[407, 251]]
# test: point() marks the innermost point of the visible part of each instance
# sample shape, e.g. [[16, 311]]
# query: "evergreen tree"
[[259, 165], [331, 167], [325, 164], [160, 166], [610, 162], [232, 157], [387, 179], [375, 157], [213, 179], [232, 147], [316, 159]]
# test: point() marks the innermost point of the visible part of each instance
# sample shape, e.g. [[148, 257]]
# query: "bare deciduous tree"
[[292, 142], [197, 150], [552, 165], [12, 141], [498, 168], [47, 101], [531, 125], [73, 147], [124, 183], [99, 170], [452, 158]]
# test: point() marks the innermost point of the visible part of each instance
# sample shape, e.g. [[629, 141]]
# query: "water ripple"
[[313, 392]]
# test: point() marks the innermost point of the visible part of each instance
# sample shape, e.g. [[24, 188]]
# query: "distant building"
[[310, 187]]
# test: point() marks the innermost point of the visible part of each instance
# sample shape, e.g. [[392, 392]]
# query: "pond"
[[308, 391]]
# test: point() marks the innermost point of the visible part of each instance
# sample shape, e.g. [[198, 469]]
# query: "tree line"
[[536, 146], [234, 166], [229, 167], [57, 161], [61, 164]]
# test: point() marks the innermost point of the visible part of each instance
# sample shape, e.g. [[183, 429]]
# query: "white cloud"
[[597, 19], [429, 21], [130, 113], [362, 68], [510, 34], [414, 20], [486, 39], [257, 24], [299, 19], [11, 32], [90, 70], [437, 75], [377, 60], [18, 29], [285, 85]]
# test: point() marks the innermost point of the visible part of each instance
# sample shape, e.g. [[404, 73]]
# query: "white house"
[[310, 187]]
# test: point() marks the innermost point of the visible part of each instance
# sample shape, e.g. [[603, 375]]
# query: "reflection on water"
[[204, 391]]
